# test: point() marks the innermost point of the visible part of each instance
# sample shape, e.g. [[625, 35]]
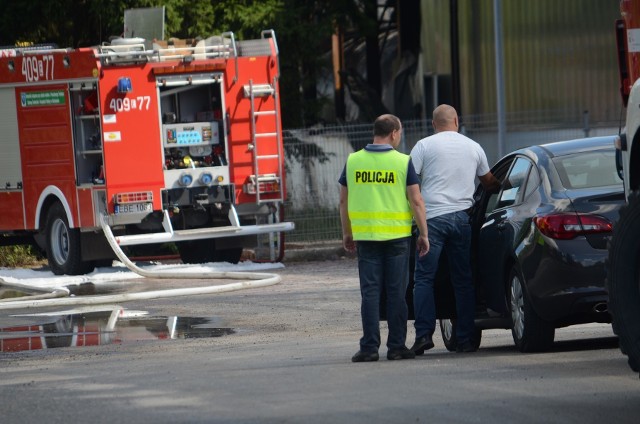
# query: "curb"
[[301, 252]]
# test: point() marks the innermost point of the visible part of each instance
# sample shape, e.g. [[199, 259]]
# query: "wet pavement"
[[102, 326], [117, 284], [288, 361]]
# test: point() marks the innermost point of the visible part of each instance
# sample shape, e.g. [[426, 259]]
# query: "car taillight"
[[570, 225]]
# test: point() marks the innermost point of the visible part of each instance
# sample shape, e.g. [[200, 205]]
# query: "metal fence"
[[316, 156]]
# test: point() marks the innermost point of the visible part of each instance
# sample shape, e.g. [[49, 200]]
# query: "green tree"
[[303, 30]]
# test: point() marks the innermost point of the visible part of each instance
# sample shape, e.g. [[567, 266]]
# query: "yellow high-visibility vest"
[[378, 206]]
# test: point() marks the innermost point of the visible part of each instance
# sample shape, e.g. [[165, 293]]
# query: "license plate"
[[134, 208]]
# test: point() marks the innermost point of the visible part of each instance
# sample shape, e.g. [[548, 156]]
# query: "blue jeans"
[[383, 264], [451, 232]]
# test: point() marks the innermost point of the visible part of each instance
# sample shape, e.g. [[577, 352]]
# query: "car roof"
[[541, 153], [580, 145]]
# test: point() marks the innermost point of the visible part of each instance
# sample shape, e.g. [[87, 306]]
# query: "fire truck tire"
[[229, 255], [64, 252], [203, 251], [103, 263], [197, 251], [623, 280]]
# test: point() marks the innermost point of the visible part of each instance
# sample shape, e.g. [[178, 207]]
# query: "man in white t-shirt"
[[447, 163]]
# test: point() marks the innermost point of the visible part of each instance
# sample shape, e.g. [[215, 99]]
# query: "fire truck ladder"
[[253, 91]]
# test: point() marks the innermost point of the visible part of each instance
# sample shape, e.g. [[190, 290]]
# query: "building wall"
[[559, 56]]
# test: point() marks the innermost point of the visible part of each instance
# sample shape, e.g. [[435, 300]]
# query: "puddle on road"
[[105, 327]]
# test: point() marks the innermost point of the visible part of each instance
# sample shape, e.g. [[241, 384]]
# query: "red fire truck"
[[173, 141]]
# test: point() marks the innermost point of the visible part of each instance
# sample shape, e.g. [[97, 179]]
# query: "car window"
[[533, 182], [588, 169], [500, 173], [514, 183], [491, 203]]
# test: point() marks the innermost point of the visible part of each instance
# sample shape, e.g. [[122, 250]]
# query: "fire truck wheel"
[[63, 244], [197, 251], [229, 255], [103, 263], [203, 251], [623, 280]]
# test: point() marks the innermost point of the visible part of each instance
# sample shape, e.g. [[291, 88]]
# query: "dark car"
[[540, 243]]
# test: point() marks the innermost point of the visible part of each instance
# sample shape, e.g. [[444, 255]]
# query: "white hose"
[[182, 274], [56, 292], [257, 279], [156, 294]]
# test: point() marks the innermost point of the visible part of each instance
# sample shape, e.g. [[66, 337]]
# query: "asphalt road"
[[288, 361]]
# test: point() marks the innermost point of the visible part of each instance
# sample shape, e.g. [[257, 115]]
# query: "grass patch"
[[19, 256]]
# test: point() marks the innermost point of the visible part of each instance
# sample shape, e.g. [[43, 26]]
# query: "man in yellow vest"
[[379, 195]]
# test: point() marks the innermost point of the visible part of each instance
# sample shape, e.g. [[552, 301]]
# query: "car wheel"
[[623, 280], [530, 332], [448, 332], [63, 244]]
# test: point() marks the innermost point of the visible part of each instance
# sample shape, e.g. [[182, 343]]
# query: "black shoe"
[[365, 357], [466, 347], [402, 353], [422, 344]]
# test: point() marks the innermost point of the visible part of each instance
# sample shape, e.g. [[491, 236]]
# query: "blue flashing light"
[[124, 85]]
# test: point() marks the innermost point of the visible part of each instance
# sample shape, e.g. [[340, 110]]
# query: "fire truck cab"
[[162, 141]]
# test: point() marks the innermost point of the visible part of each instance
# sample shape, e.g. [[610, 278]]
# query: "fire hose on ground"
[[255, 279]]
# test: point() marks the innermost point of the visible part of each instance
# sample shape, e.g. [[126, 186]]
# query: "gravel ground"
[[289, 362]]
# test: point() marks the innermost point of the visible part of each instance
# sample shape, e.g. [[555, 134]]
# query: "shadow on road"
[[564, 345]]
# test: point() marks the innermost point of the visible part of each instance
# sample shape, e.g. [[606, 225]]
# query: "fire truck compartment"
[[193, 135]]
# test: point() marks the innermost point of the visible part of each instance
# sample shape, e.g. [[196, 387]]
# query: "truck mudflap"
[[171, 235]]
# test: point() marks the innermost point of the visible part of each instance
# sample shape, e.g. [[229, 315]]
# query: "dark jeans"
[[451, 232], [383, 264]]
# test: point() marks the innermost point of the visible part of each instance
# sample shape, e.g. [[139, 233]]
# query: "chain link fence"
[[315, 157]]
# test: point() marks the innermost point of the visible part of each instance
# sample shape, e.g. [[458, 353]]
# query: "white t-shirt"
[[448, 163]]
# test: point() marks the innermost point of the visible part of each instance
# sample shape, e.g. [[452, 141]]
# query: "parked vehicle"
[[540, 243], [624, 250], [174, 141]]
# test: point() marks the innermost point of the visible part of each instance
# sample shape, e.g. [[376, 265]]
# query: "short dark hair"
[[385, 125]]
